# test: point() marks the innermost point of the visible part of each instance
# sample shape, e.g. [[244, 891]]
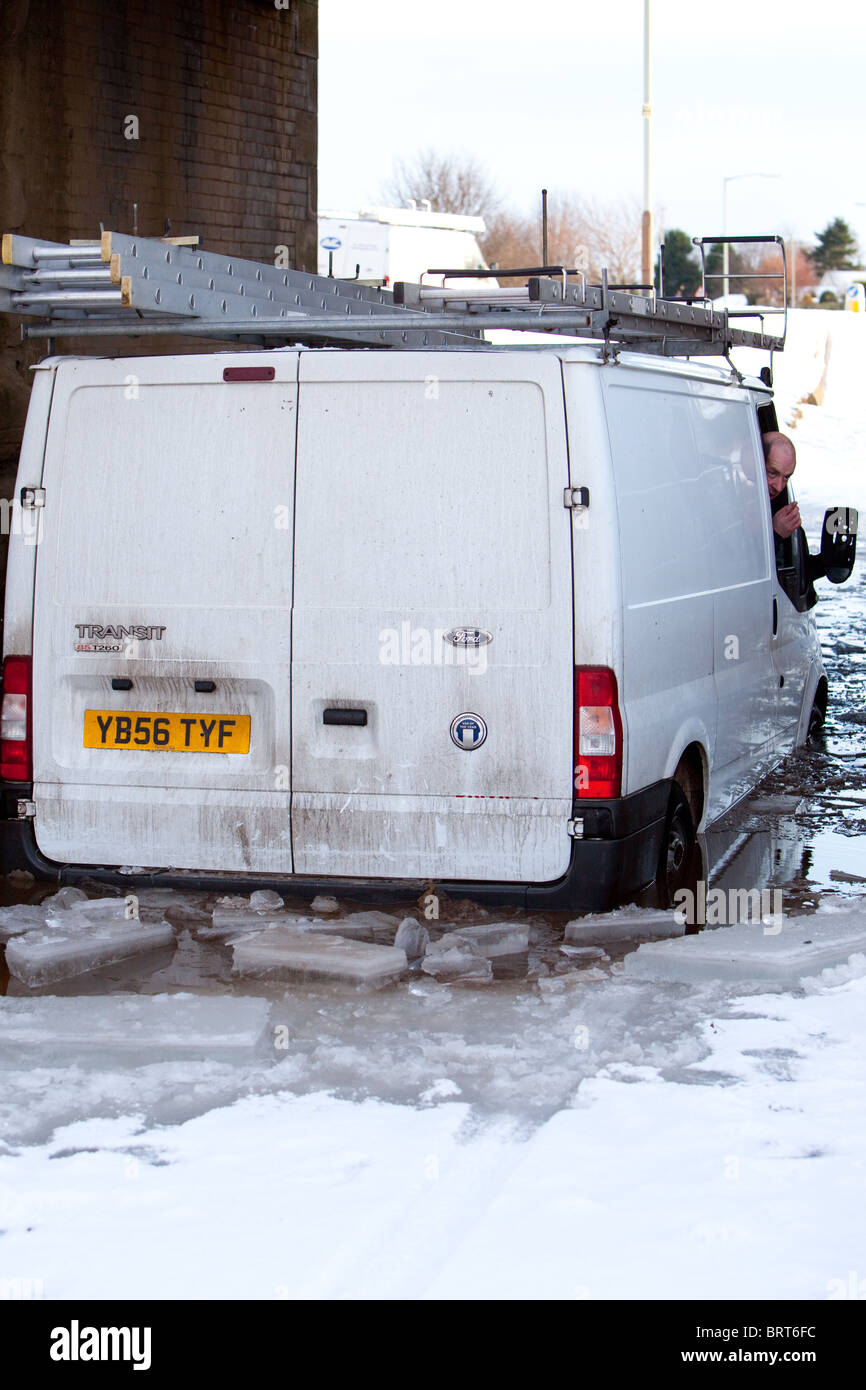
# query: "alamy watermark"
[[721, 907], [16, 520], [438, 646]]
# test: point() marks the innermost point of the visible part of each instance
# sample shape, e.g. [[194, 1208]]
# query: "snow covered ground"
[[594, 1132]]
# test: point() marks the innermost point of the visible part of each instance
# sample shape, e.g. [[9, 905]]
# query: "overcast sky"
[[549, 93]]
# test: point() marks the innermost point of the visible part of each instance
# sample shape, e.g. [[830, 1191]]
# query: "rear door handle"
[[344, 716], [775, 617]]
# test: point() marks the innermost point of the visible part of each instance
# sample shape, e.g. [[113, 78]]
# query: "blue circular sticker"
[[468, 731]]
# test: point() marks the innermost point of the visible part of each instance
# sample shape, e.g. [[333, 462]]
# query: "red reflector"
[[248, 373], [15, 758], [597, 773]]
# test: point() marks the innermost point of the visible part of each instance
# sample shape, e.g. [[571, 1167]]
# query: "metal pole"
[[725, 244], [544, 260], [647, 218], [793, 273]]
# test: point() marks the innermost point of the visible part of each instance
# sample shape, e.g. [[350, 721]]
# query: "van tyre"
[[679, 857], [816, 723]]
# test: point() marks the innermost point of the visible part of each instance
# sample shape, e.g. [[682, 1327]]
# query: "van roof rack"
[[144, 287]]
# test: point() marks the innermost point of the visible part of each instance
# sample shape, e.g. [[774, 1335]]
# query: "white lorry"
[[504, 621], [383, 245]]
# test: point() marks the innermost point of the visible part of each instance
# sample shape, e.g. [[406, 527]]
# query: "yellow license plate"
[[178, 733]]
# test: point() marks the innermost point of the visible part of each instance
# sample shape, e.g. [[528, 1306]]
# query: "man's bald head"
[[780, 458]]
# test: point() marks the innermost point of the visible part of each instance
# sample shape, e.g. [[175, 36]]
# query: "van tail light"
[[16, 762], [597, 733]]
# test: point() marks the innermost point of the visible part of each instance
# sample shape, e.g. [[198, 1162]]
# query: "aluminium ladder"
[[147, 287]]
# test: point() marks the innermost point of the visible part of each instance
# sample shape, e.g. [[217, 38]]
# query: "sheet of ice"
[[588, 953], [228, 922], [371, 921], [20, 918], [79, 945], [746, 952], [498, 938], [457, 960], [174, 902], [625, 924], [131, 1027], [283, 951], [412, 937], [92, 910], [67, 896]]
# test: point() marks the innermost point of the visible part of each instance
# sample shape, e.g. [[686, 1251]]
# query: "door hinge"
[[576, 498], [26, 810], [32, 497], [575, 828]]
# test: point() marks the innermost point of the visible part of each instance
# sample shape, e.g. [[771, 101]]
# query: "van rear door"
[[430, 515], [162, 613]]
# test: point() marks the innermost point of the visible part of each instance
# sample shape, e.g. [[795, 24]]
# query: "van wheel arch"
[[818, 711], [690, 777], [678, 865]]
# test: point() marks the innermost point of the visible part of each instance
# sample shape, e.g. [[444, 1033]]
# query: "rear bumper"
[[615, 860]]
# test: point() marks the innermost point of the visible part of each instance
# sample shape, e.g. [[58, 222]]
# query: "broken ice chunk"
[[231, 922], [20, 918], [283, 951], [746, 952], [412, 937], [265, 900], [323, 904], [79, 945], [625, 924], [93, 910], [233, 914], [67, 896], [585, 953], [372, 921], [177, 903], [498, 938], [133, 1027], [457, 960]]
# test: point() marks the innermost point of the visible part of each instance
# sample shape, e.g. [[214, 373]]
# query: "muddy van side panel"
[[694, 555], [430, 505], [166, 561]]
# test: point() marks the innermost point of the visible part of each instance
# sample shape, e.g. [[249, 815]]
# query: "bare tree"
[[452, 182], [582, 233]]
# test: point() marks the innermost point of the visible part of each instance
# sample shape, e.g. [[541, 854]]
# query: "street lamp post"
[[647, 218], [729, 178]]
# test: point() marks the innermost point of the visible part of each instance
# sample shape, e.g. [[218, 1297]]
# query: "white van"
[[507, 622]]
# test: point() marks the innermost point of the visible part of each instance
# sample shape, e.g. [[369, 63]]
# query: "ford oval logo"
[[468, 731], [467, 636]]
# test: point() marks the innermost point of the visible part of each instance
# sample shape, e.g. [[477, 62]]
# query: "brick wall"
[[224, 93]]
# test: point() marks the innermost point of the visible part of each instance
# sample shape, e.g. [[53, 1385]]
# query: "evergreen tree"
[[682, 266], [837, 248]]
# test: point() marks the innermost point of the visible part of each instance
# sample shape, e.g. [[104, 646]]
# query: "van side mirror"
[[839, 542]]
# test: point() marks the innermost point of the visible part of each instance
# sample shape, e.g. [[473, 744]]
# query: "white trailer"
[[382, 245]]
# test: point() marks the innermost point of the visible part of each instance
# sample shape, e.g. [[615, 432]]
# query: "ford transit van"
[[505, 623]]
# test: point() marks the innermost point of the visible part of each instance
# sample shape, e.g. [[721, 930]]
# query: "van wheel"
[[678, 858], [816, 723]]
